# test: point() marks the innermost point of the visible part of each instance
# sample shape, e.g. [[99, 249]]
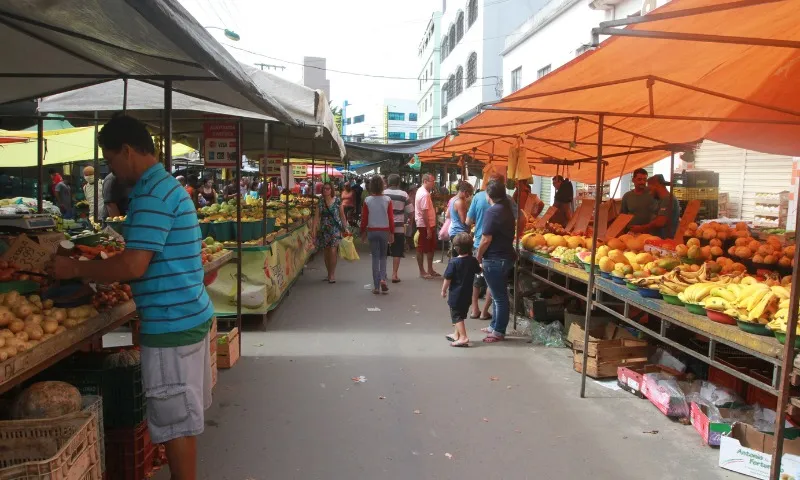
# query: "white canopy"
[[145, 101], [55, 46]]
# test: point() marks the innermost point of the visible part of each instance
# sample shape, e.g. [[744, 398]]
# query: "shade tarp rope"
[[657, 94]]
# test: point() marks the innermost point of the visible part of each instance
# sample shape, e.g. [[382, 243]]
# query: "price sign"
[[299, 171], [272, 167], [221, 142]]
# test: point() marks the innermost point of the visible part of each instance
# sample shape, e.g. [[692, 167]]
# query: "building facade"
[[556, 34], [390, 121], [473, 33], [315, 74], [430, 90]]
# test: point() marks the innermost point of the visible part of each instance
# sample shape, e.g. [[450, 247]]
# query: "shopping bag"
[[347, 250], [444, 232]]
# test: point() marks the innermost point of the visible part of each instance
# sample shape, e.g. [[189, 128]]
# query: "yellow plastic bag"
[[347, 250]]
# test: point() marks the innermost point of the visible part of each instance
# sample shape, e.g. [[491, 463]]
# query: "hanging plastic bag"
[[444, 232], [347, 250]]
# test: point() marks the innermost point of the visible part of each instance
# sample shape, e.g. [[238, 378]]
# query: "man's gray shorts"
[[177, 384]]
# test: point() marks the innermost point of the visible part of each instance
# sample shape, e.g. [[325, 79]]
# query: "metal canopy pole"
[[124, 95], [96, 167], [167, 132], [313, 163], [286, 185], [40, 164], [788, 359], [592, 267], [238, 155], [264, 164]]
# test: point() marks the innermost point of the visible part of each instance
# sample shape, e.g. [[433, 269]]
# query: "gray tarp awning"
[[145, 101], [55, 46], [376, 152]]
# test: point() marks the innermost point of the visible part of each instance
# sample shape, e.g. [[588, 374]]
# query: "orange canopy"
[[654, 95]]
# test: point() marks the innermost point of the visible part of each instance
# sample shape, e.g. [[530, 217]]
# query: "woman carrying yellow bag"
[[328, 229]]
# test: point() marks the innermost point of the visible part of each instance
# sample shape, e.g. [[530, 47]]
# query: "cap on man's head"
[[658, 178]]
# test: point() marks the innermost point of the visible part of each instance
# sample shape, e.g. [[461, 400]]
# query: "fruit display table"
[[766, 348]]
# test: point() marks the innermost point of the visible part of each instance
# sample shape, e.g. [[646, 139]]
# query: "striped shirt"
[[401, 207], [170, 297]]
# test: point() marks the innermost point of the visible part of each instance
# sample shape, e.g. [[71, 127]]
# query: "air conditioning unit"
[[648, 6], [604, 4]]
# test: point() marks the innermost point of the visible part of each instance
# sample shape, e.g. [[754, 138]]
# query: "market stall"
[[615, 108]]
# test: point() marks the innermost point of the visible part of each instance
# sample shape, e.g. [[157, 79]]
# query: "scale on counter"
[[32, 221]]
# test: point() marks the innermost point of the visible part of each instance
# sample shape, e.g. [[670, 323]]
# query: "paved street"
[[290, 409]]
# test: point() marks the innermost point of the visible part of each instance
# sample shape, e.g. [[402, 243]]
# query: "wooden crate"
[[609, 348], [228, 351], [214, 372], [213, 339]]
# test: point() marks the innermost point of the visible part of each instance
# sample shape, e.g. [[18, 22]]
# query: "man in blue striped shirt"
[[163, 266]]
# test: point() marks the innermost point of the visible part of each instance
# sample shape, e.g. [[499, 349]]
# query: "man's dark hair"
[[462, 243], [375, 185], [558, 178], [640, 171], [51, 171], [465, 187], [393, 180], [124, 130]]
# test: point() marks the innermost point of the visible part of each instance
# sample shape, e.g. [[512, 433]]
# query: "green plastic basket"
[[632, 286], [672, 299], [754, 328], [781, 336], [23, 287], [222, 231], [696, 309]]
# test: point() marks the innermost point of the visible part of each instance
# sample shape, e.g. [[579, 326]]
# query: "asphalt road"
[[291, 410]]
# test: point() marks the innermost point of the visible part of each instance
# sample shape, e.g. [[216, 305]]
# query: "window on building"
[[472, 12], [459, 26], [349, 121], [451, 88], [396, 116], [542, 72], [430, 100], [420, 84], [582, 49], [397, 135], [472, 69], [459, 80], [431, 70], [445, 44], [425, 109], [451, 38], [516, 79], [412, 136], [412, 117], [358, 119]]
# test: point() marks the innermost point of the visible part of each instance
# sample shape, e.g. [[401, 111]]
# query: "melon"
[[556, 241], [539, 240], [635, 244], [574, 242], [46, 400], [616, 244]]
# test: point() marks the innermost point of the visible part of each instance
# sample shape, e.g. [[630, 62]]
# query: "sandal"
[[474, 317], [435, 275], [375, 291], [494, 338], [484, 318], [384, 287], [460, 344], [395, 280], [488, 330], [425, 277], [450, 337]]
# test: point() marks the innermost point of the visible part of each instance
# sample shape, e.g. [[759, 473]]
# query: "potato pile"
[[26, 322]]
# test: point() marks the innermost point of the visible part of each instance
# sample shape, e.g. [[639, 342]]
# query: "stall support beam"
[[788, 359], [96, 166], [40, 164], [238, 231], [167, 131], [265, 182], [598, 197]]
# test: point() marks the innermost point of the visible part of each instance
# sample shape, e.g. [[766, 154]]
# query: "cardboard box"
[[746, 450], [609, 348], [663, 399], [631, 378], [711, 432], [228, 348]]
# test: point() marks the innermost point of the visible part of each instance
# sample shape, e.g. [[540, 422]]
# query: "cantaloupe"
[[635, 244], [46, 400], [539, 240], [574, 242], [616, 244], [556, 241]]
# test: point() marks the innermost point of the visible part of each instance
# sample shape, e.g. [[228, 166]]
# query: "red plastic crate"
[[129, 453], [724, 379], [756, 395]]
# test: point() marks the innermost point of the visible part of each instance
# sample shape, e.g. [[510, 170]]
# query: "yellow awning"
[[61, 146]]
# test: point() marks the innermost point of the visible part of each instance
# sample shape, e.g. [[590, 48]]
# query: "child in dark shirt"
[[458, 278]]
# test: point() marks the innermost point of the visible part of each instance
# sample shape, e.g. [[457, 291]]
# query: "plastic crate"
[[64, 448], [124, 403], [130, 454], [696, 179], [94, 404]]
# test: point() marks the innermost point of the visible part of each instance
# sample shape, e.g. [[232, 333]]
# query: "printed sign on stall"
[[221, 142]]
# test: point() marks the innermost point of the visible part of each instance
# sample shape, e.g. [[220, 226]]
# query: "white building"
[[393, 120], [315, 74], [560, 31], [473, 33], [430, 90]]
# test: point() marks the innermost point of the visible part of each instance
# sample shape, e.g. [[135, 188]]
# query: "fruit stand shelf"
[[27, 364], [763, 347], [218, 262]]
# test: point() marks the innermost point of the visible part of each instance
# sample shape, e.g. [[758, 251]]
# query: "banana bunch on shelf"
[[758, 302], [678, 281]]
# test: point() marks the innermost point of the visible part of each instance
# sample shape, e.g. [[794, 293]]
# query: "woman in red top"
[[348, 202]]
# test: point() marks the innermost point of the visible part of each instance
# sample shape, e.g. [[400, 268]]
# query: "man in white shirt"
[[401, 207], [425, 214]]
